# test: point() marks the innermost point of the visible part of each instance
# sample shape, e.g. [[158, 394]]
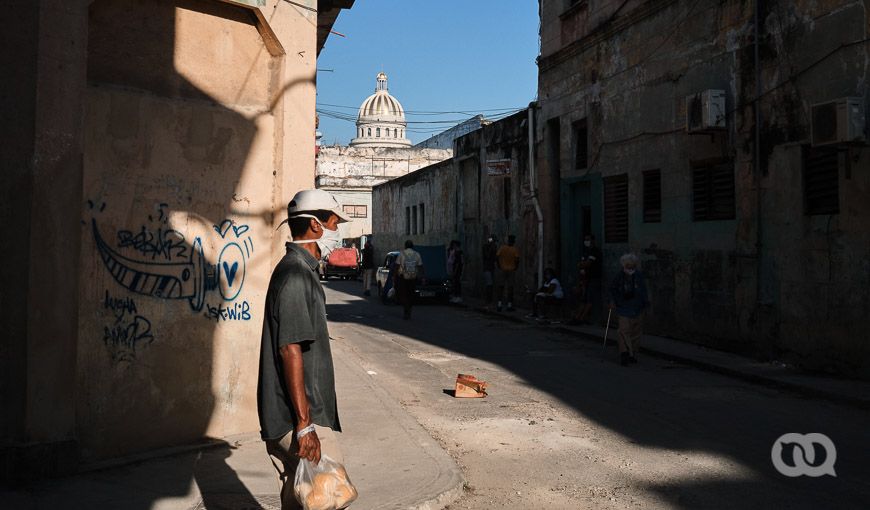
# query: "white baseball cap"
[[312, 200]]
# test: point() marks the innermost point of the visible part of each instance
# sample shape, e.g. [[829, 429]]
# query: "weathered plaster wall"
[[747, 283], [350, 173], [176, 231], [464, 203]]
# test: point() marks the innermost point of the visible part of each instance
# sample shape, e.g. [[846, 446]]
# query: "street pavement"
[[564, 426], [392, 461]]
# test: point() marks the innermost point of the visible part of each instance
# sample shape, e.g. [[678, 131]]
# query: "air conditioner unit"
[[705, 111], [838, 121]]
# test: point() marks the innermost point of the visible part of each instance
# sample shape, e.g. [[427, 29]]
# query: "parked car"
[[343, 262], [434, 283]]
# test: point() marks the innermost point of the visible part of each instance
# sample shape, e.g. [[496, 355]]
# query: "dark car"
[[433, 284]]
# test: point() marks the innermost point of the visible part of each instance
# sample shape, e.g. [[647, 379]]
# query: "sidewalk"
[[391, 459], [855, 393]]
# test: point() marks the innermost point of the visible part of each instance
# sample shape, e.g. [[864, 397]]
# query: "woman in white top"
[[550, 293]]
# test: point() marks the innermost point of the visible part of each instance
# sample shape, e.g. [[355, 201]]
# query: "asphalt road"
[[564, 426]]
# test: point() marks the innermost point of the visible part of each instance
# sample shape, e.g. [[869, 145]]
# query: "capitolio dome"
[[381, 120]]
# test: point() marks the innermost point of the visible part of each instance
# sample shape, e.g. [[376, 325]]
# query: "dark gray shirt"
[[295, 313]]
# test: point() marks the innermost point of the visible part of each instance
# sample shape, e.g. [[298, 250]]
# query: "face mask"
[[587, 243], [629, 272], [329, 241]]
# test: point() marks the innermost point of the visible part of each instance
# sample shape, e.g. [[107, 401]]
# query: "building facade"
[[147, 179], [483, 190], [699, 136], [378, 153]]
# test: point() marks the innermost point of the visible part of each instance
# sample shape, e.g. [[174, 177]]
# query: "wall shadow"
[[159, 148], [655, 404]]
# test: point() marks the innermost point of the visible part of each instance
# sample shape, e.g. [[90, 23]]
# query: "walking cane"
[[609, 312]]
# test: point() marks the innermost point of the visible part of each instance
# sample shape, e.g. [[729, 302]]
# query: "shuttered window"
[[652, 196], [821, 180], [713, 191], [616, 209]]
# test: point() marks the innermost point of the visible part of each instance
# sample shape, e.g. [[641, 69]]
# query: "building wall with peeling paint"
[[167, 138], [463, 202], [771, 280], [350, 172]]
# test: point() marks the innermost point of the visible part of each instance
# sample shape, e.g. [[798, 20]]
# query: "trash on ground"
[[468, 386]]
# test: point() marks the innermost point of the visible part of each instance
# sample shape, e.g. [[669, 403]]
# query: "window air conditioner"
[[838, 121], [705, 111]]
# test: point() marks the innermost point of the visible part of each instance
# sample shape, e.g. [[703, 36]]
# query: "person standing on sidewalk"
[[591, 253], [409, 267], [489, 259], [296, 399], [368, 267], [454, 270], [508, 260], [628, 297]]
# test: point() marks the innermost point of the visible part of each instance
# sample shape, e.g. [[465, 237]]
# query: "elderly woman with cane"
[[628, 297]]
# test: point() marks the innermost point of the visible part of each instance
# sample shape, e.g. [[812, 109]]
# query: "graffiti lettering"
[[166, 244], [119, 306], [123, 338], [236, 312]]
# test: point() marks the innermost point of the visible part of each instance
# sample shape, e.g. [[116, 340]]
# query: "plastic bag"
[[323, 486]]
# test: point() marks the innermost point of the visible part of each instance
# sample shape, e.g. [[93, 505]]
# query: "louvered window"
[[713, 191], [821, 180], [616, 209], [652, 196]]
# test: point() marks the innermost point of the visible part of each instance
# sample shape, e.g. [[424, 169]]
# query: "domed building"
[[381, 120]]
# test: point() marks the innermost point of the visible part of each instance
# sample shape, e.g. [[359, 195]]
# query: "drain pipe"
[[533, 187]]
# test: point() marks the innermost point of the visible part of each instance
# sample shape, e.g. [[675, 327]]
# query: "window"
[[652, 196], [369, 131], [581, 144], [713, 191], [616, 209], [407, 221], [414, 220], [422, 219], [356, 211], [378, 131], [821, 180]]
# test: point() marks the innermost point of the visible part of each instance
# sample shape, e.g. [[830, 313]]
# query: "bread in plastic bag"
[[323, 486]]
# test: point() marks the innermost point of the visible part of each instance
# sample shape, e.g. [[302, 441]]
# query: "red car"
[[343, 262]]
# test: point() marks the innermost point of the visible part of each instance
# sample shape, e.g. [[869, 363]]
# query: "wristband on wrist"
[[305, 431]]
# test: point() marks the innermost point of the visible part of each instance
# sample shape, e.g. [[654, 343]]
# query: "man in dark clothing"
[[454, 270], [368, 267], [592, 258], [628, 296], [409, 268], [489, 251], [296, 399]]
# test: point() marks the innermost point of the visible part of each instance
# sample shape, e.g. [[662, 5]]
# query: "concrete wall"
[[769, 281], [463, 203], [350, 172], [159, 140]]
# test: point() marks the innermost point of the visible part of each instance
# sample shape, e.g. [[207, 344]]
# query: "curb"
[[770, 382]]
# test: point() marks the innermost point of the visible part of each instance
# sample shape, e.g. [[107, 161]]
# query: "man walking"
[[628, 297], [455, 264], [368, 267], [296, 399], [489, 256], [409, 267], [508, 260]]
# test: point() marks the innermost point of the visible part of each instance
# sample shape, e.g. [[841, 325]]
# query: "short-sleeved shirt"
[[295, 312], [408, 263], [508, 257]]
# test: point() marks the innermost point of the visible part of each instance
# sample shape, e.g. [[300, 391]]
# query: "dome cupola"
[[381, 120]]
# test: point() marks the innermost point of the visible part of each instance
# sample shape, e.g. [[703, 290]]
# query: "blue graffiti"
[[128, 331], [236, 312], [166, 244]]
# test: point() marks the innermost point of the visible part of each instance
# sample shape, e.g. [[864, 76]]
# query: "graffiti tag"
[[128, 330], [165, 244], [235, 312]]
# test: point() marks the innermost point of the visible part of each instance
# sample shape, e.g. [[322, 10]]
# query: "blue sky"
[[451, 55]]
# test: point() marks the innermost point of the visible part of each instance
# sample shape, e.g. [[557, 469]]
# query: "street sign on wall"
[[498, 167]]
